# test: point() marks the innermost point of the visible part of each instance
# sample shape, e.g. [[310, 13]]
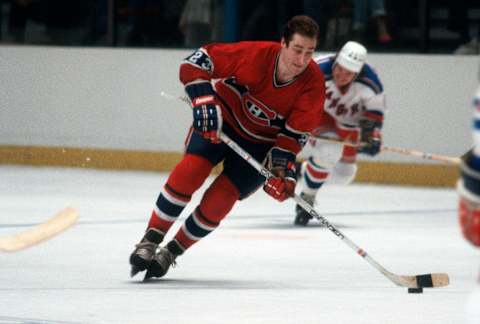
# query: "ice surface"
[[256, 268]]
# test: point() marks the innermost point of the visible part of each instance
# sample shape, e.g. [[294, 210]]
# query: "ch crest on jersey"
[[257, 112]]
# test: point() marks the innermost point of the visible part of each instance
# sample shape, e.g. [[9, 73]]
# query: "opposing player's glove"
[[370, 137], [207, 114], [469, 191], [282, 164]]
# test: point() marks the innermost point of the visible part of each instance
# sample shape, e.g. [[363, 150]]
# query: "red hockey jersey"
[[254, 103]]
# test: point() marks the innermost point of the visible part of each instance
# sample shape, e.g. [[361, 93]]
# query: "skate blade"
[[154, 272], [134, 271], [149, 275]]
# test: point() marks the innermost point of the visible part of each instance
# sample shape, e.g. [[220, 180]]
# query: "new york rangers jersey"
[[365, 96], [254, 103]]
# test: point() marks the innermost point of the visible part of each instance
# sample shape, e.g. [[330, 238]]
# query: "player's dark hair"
[[302, 25]]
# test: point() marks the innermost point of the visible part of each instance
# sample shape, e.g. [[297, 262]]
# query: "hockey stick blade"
[[38, 233], [431, 280], [418, 281]]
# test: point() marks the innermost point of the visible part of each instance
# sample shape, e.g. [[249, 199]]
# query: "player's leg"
[[187, 176], [216, 202], [345, 170], [328, 162], [316, 171], [237, 181]]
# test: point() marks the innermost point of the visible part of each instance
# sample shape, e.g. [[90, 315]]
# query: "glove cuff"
[[284, 160], [200, 91]]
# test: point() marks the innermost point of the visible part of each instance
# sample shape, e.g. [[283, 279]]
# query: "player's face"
[[342, 76], [295, 56]]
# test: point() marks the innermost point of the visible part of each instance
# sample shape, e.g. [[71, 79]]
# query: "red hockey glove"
[[282, 164], [207, 114], [370, 136], [469, 205]]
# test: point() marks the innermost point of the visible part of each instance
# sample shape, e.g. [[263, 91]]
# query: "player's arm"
[[281, 158], [280, 161], [371, 123], [196, 72]]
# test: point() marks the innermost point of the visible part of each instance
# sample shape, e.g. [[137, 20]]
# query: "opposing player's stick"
[[399, 150], [417, 281], [34, 235]]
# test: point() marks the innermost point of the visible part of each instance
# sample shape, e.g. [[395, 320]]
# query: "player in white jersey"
[[354, 110], [469, 206]]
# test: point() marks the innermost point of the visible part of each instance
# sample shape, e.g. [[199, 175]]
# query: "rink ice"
[[255, 268]]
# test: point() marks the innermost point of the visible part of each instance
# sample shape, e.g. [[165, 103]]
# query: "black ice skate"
[[302, 217], [145, 251], [162, 261]]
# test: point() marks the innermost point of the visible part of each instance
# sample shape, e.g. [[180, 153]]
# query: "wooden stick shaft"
[[38, 233], [399, 150]]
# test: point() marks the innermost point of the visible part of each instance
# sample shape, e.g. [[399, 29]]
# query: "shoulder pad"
[[369, 77], [325, 63]]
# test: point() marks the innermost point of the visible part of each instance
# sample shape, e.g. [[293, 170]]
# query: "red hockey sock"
[[216, 203], [188, 175], [219, 199]]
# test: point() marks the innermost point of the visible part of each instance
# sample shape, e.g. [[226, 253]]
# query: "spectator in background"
[[154, 23], [196, 22], [458, 21], [66, 21], [325, 13], [472, 47], [21, 11], [97, 23], [365, 9], [264, 19]]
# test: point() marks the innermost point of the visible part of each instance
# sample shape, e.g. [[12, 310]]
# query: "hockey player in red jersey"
[[354, 107], [267, 97]]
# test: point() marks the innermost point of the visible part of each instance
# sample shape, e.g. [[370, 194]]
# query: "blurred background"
[[408, 26], [82, 80]]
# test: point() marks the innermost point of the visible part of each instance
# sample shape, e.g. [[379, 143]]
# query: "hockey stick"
[[399, 150], [417, 281], [38, 233]]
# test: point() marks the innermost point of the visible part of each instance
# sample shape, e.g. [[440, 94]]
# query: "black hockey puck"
[[415, 290]]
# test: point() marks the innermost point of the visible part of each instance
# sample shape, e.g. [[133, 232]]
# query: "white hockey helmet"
[[352, 56]]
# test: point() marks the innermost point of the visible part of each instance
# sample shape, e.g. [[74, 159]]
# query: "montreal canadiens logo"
[[257, 112]]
